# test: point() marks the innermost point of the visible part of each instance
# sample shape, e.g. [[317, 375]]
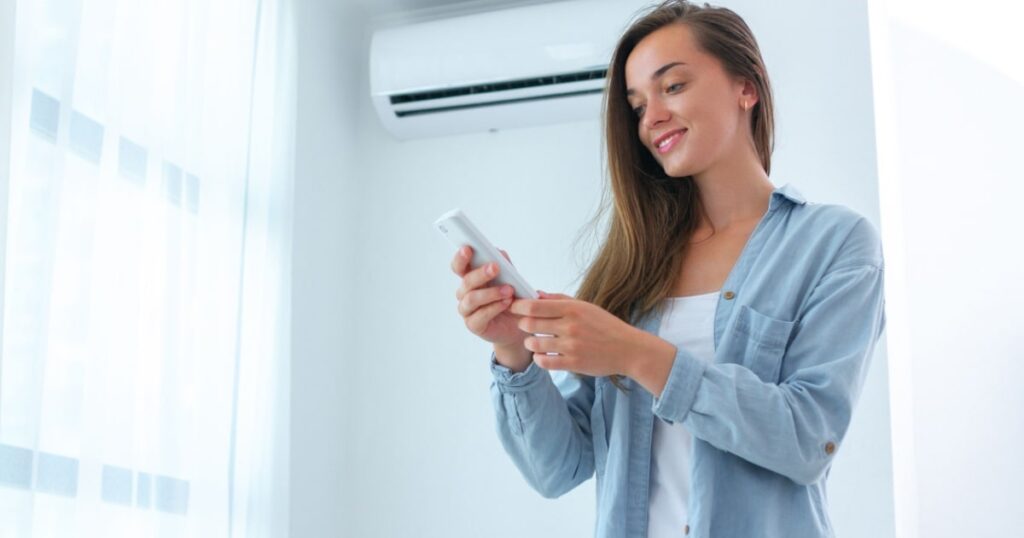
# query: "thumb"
[[546, 295]]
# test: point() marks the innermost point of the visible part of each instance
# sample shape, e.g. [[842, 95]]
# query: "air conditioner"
[[515, 67]]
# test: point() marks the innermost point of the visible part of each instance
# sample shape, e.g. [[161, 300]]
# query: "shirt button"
[[830, 447], [686, 529], [729, 295]]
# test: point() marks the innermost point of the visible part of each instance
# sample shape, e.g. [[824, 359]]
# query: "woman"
[[720, 338]]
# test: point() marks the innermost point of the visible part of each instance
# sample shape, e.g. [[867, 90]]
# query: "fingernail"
[[491, 269]]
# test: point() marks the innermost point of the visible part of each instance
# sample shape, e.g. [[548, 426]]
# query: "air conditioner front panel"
[[511, 43], [420, 73]]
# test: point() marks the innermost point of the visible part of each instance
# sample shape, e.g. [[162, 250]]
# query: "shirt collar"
[[785, 192], [780, 194]]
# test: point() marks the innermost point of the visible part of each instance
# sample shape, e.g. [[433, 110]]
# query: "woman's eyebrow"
[[661, 71]]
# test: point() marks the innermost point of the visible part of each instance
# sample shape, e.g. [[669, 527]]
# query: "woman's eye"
[[638, 111], [677, 86]]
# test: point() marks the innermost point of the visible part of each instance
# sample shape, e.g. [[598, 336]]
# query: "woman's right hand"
[[485, 308]]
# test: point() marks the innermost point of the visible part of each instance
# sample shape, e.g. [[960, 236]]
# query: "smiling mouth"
[[670, 141]]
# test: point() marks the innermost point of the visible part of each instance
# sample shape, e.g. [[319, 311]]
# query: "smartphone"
[[459, 230]]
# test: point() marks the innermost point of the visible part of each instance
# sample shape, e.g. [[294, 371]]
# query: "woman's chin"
[[675, 170], [674, 166]]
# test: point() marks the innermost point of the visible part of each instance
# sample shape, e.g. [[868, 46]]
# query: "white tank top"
[[688, 323]]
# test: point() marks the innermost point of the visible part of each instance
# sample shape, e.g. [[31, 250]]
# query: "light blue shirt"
[[795, 328]]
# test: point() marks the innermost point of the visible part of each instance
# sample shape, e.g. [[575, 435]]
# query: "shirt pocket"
[[765, 341]]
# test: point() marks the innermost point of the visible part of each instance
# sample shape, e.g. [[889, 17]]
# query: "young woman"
[[720, 339]]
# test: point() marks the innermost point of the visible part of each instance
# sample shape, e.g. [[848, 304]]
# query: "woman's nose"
[[655, 113]]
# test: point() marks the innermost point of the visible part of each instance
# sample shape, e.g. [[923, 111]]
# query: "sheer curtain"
[[144, 376]]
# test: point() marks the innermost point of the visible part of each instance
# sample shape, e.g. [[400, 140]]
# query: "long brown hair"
[[654, 215]]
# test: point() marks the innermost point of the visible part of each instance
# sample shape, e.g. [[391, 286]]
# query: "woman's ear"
[[748, 95]]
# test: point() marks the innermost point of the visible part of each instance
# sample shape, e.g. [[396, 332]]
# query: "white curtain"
[[144, 376]]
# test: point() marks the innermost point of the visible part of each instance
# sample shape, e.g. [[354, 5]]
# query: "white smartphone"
[[459, 230]]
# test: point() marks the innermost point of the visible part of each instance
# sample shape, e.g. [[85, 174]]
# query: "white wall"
[[949, 89], [324, 314], [394, 431]]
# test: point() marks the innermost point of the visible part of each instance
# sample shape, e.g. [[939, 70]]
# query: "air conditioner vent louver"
[[464, 106], [565, 78]]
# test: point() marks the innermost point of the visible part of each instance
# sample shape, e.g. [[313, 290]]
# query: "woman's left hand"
[[589, 339]]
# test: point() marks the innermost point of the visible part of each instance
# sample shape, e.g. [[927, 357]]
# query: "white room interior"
[[399, 386], [906, 111]]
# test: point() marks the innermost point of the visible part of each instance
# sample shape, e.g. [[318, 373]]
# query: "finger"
[[551, 362], [460, 262], [477, 278], [477, 298], [546, 295], [535, 326], [477, 321], [541, 308], [543, 344]]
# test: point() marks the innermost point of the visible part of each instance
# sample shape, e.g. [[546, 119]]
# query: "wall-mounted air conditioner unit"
[[530, 65]]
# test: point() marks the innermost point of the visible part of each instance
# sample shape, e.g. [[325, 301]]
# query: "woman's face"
[[689, 111]]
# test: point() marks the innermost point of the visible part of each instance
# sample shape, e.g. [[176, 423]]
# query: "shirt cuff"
[[680, 388], [507, 381]]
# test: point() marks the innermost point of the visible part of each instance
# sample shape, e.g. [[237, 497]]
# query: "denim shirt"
[[795, 328]]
